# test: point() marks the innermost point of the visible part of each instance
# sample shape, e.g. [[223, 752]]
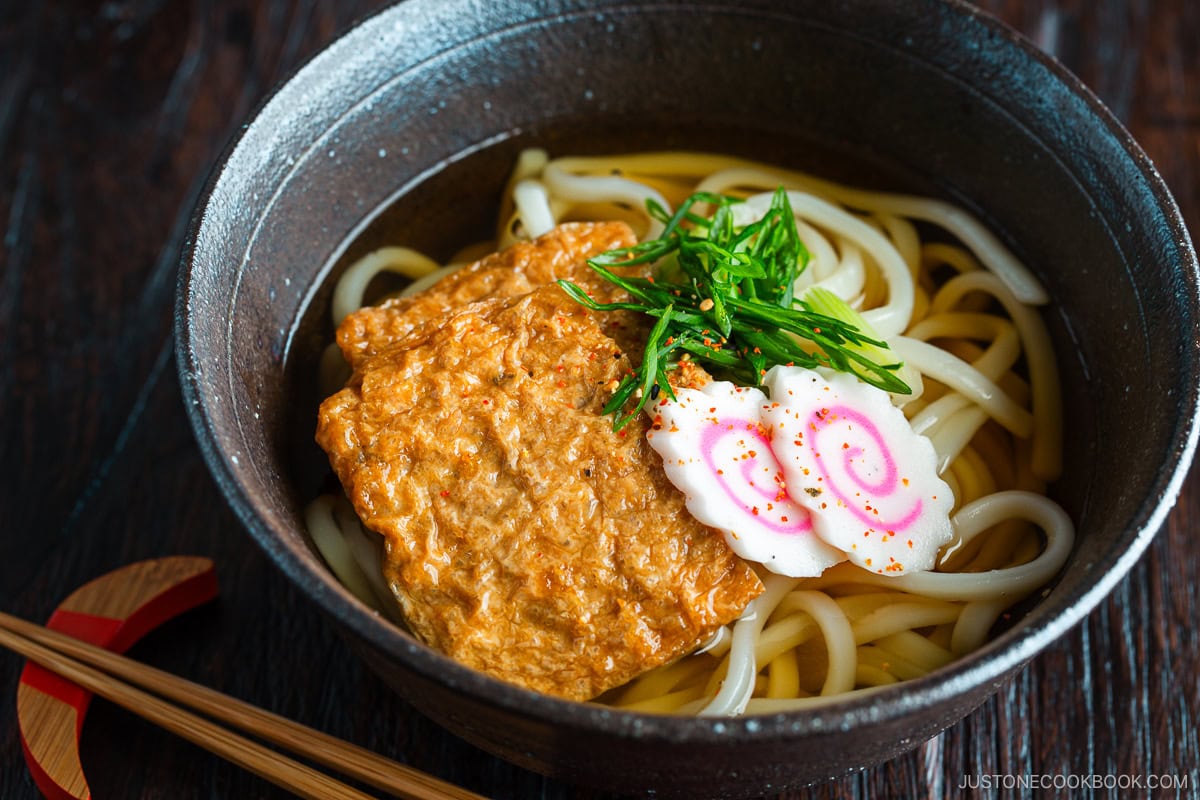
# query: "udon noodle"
[[950, 300]]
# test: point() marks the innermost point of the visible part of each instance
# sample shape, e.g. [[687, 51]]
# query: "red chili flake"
[[904, 481], [757, 351], [562, 384], [485, 402], [720, 472], [783, 519], [910, 544], [868, 562], [818, 330], [650, 278], [754, 511], [845, 445], [444, 493]]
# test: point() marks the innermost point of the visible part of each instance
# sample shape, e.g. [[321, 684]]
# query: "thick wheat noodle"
[[351, 287], [783, 675], [784, 635], [982, 243], [974, 478], [1039, 353], [976, 622], [839, 639], [962, 377], [738, 684], [590, 189], [530, 164], [825, 261], [883, 659], [333, 546], [850, 276], [940, 410], [954, 433], [1005, 343], [904, 239], [866, 675], [533, 207], [916, 649]]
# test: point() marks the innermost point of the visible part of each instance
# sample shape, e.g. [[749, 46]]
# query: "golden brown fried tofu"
[[523, 536], [561, 253]]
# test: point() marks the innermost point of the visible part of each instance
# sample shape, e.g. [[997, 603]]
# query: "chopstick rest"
[[113, 611], [164, 699]]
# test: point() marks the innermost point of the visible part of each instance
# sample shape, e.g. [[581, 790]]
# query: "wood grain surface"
[[111, 115]]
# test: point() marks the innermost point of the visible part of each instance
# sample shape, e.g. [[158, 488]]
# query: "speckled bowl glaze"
[[402, 130]]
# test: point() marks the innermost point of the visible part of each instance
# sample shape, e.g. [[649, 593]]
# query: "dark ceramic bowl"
[[402, 131]]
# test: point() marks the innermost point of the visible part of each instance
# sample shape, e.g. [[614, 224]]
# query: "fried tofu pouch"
[[523, 536]]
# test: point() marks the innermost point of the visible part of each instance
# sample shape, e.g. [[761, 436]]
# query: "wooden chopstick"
[[64, 654]]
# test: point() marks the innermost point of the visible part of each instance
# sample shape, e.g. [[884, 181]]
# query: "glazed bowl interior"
[[402, 132]]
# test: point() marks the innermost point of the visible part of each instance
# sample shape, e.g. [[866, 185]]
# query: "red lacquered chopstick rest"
[[113, 612]]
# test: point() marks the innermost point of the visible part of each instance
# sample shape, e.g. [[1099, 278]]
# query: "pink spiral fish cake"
[[823, 470], [850, 457], [717, 451]]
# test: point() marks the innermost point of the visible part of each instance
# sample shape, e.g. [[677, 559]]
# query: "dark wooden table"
[[111, 115]]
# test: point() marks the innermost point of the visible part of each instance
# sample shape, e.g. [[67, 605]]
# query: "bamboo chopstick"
[[63, 654]]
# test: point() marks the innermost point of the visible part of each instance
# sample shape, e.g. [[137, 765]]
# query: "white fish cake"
[[716, 450], [851, 458]]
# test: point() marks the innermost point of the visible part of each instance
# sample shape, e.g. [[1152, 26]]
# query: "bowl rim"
[[990, 664]]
